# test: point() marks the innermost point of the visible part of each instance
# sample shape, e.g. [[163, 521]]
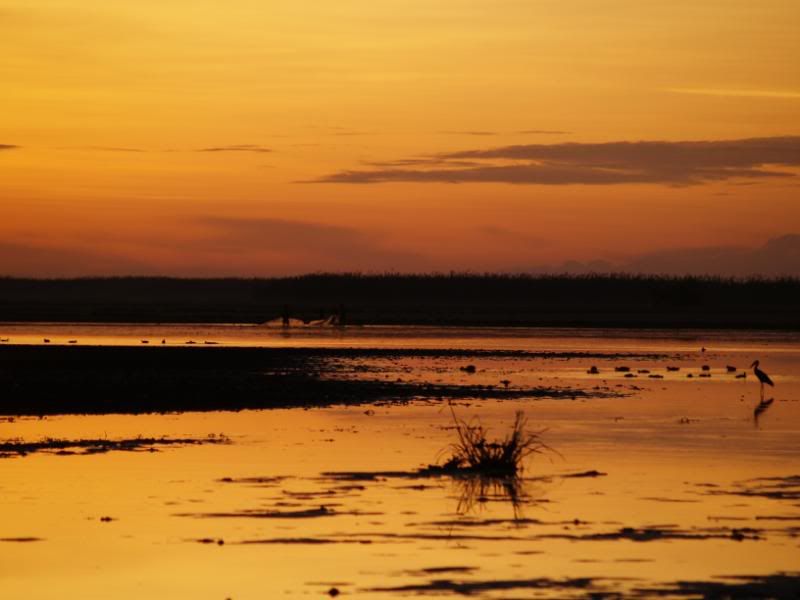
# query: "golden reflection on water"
[[672, 452], [383, 336]]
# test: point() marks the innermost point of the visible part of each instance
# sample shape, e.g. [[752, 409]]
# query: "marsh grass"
[[476, 453], [487, 469]]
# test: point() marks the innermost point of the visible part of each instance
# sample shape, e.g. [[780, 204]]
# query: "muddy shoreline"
[[50, 380]]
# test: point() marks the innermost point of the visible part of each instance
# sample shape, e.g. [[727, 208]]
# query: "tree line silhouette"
[[424, 299]]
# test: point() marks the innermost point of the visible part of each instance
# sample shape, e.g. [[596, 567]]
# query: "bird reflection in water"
[[759, 410]]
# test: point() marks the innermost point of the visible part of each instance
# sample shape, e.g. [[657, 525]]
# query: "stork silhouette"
[[762, 377]]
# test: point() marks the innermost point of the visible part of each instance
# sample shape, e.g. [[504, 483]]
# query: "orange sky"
[[256, 137]]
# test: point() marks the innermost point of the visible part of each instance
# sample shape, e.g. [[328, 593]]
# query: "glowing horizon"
[[261, 138]]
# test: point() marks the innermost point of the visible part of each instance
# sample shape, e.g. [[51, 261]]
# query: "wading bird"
[[762, 377]]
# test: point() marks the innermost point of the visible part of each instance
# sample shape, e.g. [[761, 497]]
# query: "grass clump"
[[475, 453]]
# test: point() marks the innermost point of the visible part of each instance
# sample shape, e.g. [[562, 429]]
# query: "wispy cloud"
[[237, 148], [475, 133], [211, 246], [512, 237], [309, 243], [486, 133], [543, 132], [733, 92], [350, 133], [340, 131], [25, 260], [114, 149], [677, 163], [420, 162]]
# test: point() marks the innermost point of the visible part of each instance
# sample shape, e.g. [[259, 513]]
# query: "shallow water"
[[679, 493], [379, 336]]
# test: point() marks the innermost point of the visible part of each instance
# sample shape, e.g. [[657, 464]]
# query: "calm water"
[[682, 495], [490, 338]]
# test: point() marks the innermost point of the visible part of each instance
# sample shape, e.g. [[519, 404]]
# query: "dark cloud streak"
[[237, 148], [475, 133], [418, 162], [115, 149], [656, 162], [543, 132]]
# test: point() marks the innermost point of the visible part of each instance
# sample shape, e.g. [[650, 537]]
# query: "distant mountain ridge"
[[778, 257]]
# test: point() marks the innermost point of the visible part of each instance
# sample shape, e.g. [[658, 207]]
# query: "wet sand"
[[670, 487]]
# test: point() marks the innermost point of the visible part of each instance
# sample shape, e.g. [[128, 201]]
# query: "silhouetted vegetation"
[[437, 299], [475, 453]]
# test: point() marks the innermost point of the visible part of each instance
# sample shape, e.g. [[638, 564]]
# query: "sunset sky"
[[260, 137]]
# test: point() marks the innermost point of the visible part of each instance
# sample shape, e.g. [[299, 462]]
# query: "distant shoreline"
[[595, 301]]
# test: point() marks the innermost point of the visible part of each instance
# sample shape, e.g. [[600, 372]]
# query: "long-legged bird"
[[762, 377]]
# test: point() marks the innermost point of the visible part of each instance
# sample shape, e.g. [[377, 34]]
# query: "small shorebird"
[[762, 377]]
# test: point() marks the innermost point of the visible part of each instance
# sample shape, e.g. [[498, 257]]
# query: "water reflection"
[[624, 512], [475, 491], [759, 410]]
